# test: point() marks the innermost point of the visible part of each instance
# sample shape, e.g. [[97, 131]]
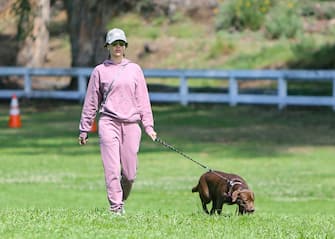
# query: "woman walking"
[[118, 90]]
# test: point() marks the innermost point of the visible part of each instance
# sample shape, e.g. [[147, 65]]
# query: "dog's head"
[[245, 200]]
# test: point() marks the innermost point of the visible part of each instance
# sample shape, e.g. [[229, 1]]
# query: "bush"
[[309, 55], [320, 10], [305, 45], [283, 21], [326, 11], [220, 47], [242, 14]]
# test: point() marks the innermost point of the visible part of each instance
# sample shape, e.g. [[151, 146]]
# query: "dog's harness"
[[231, 182]]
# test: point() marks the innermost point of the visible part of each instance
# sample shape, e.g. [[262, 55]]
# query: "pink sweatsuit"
[[119, 92]]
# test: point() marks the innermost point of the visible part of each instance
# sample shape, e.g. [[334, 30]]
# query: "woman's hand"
[[82, 140], [153, 135]]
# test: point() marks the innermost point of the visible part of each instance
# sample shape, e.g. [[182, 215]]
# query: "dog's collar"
[[231, 182]]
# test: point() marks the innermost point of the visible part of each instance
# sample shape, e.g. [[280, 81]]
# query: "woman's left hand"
[[153, 135]]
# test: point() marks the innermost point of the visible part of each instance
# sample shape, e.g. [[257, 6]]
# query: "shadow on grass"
[[248, 131], [305, 58]]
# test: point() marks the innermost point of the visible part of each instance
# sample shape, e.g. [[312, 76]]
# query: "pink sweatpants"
[[119, 145]]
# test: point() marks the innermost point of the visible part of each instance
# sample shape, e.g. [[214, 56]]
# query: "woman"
[[117, 89]]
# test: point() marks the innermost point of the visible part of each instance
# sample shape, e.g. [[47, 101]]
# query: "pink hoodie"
[[119, 91]]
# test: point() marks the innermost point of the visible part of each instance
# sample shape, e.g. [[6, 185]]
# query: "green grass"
[[50, 187]]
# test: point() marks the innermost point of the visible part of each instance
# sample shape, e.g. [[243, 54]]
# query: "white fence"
[[183, 94]]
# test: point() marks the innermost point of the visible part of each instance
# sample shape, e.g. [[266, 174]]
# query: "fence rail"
[[183, 95]]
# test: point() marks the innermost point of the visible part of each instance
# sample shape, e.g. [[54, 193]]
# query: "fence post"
[[282, 92], [233, 91], [183, 90], [81, 87], [27, 83]]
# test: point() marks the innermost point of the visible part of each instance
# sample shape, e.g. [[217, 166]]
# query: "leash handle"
[[162, 142]]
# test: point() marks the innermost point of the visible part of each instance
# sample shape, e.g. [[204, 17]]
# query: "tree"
[[86, 26], [33, 34]]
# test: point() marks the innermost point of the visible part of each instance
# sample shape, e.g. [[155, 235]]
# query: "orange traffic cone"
[[94, 127], [14, 113]]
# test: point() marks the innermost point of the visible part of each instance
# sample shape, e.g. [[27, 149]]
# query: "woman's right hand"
[[82, 140]]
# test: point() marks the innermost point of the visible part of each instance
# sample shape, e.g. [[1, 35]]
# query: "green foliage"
[[145, 7], [182, 28], [283, 21], [310, 88], [303, 46], [221, 46], [127, 22], [270, 47], [280, 19], [261, 58], [318, 9], [133, 24], [327, 11], [307, 8], [226, 17], [23, 9], [310, 55], [242, 14]]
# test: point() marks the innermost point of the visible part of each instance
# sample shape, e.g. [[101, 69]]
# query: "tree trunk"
[[33, 33], [86, 24], [86, 28]]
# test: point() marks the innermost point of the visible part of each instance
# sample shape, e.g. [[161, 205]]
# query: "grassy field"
[[50, 187]]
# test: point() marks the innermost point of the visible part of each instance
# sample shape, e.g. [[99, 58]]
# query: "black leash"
[[159, 140], [230, 182]]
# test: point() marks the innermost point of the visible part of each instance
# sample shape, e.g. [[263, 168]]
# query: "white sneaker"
[[119, 212]]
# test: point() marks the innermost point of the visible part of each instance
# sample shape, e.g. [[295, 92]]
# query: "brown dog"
[[224, 188]]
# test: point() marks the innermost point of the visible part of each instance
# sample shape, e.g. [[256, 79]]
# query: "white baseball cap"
[[114, 35]]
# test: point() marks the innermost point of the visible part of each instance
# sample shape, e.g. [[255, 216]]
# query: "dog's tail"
[[202, 188], [195, 188]]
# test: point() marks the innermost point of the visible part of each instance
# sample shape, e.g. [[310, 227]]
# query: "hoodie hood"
[[109, 62]]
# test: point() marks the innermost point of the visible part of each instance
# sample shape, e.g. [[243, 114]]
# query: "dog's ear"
[[235, 195], [253, 196]]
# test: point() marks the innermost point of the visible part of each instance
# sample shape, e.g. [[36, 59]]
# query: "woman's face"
[[117, 49]]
